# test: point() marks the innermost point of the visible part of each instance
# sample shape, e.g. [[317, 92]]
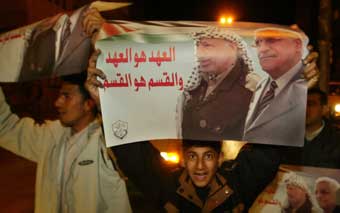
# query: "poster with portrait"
[[52, 47], [203, 81], [301, 189]]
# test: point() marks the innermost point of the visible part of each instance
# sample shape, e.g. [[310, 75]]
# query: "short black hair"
[[322, 95], [216, 145], [78, 79]]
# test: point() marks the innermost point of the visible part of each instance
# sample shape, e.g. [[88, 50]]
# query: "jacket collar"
[[236, 76], [218, 194], [287, 96]]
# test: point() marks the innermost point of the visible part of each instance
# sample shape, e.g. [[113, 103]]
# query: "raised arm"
[[144, 166], [21, 136], [255, 167], [139, 161]]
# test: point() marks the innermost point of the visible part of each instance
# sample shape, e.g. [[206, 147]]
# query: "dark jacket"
[[39, 57], [305, 208], [170, 188], [223, 113], [337, 209], [322, 151]]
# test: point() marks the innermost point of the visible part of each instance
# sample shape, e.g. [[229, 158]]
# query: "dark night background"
[[16, 13], [36, 98], [305, 13]]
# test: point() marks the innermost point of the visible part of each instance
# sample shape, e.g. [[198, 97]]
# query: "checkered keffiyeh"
[[296, 180], [218, 33], [292, 178]]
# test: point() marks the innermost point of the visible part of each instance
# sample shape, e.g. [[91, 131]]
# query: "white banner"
[[196, 80]]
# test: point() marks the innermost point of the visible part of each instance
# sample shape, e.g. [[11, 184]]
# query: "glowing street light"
[[230, 20], [337, 108], [226, 20], [223, 20]]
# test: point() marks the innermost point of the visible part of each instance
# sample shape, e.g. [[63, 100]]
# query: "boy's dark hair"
[[216, 145], [78, 79], [322, 95]]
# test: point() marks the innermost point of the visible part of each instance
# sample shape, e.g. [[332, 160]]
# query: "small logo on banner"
[[120, 129]]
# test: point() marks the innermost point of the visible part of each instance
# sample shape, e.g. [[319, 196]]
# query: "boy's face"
[[72, 107], [201, 164]]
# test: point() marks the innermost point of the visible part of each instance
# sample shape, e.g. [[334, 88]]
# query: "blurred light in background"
[[337, 108], [223, 20], [226, 20], [171, 157], [170, 149]]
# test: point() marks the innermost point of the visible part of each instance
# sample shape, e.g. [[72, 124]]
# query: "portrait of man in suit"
[[57, 46], [277, 112]]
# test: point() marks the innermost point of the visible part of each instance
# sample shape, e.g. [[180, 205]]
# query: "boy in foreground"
[[204, 183]]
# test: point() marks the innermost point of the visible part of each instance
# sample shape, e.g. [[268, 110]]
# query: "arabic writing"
[[270, 190], [172, 80], [158, 58]]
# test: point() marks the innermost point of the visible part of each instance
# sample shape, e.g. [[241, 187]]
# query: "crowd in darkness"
[[70, 151]]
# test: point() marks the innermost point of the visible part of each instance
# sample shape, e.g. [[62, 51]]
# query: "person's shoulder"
[[228, 170], [335, 131], [228, 165], [331, 128], [54, 126]]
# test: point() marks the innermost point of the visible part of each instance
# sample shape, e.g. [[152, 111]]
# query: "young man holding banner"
[[74, 171]]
